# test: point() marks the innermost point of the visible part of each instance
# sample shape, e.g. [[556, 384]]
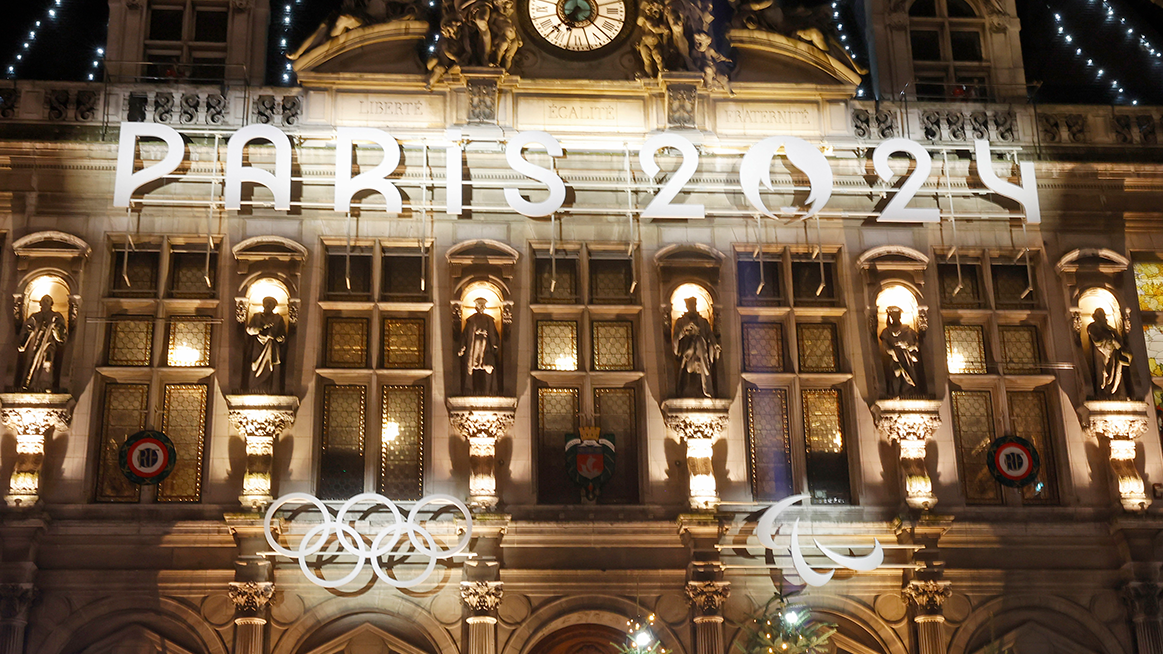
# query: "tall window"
[[159, 316], [587, 315], [376, 302], [948, 43], [790, 311], [993, 324], [1148, 271], [186, 40]]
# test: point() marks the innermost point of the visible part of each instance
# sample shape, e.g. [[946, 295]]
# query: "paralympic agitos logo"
[[766, 533]]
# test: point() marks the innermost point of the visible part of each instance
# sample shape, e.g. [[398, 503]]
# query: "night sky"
[[65, 48]]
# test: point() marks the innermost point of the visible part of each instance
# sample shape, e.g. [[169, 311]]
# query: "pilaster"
[[15, 600], [1144, 599], [31, 416], [260, 419], [910, 424], [251, 591]]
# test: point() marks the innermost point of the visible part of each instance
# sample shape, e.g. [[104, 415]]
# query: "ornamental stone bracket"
[[911, 423], [699, 422], [482, 421], [1121, 423], [260, 419], [31, 416]]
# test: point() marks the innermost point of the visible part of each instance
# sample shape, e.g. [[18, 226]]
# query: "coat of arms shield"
[[589, 460]]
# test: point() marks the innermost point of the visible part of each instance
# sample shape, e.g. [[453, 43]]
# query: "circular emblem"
[[147, 457], [573, 28], [1013, 461]]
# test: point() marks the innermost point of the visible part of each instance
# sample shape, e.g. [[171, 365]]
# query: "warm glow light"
[[41, 286], [184, 356], [565, 362], [488, 291], [1099, 298], [896, 295], [956, 362], [702, 298], [262, 289], [391, 431]]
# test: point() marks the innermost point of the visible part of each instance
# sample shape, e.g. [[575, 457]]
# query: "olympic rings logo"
[[352, 542]]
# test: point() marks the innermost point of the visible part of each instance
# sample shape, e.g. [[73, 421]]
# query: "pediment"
[[365, 639], [1034, 638]]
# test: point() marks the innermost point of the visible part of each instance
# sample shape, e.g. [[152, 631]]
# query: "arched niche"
[[481, 270], [894, 279], [50, 262], [273, 263], [1094, 280]]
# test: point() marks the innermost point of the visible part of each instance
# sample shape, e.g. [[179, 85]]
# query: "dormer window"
[[947, 38]]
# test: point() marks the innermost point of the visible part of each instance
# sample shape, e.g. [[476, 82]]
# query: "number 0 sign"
[[147, 457]]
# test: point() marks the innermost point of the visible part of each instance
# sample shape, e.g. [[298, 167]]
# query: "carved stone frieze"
[[482, 596], [707, 596], [680, 105], [261, 423], [696, 426], [928, 596], [251, 596], [482, 424]]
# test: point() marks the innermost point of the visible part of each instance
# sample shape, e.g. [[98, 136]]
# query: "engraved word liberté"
[[754, 172]]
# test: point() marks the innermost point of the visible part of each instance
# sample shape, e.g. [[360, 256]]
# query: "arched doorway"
[[580, 639]]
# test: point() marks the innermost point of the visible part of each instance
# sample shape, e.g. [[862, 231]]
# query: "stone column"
[[1143, 600], [250, 601], [260, 419], [698, 422], [928, 599], [1122, 423], [706, 598], [910, 424], [31, 416], [482, 598], [482, 421], [15, 599]]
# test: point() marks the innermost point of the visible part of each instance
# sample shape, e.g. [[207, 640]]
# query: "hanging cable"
[[210, 216], [953, 220], [820, 253], [630, 235], [128, 245], [552, 253], [759, 251], [347, 254], [1029, 270]]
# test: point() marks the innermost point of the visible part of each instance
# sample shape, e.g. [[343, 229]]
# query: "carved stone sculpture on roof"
[[811, 21], [681, 35], [474, 33], [353, 14]]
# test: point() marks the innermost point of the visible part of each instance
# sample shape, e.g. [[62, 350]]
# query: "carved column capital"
[[1121, 423], [707, 597], [35, 421], [482, 596], [31, 416], [693, 427], [251, 596], [699, 422], [910, 424], [260, 419], [929, 598], [15, 599], [1144, 600], [476, 424]]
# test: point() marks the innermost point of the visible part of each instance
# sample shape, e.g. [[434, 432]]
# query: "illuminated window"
[[767, 438], [762, 347], [189, 342], [1020, 351], [965, 349], [817, 346], [341, 466], [556, 345], [123, 414], [973, 429], [402, 443], [613, 342], [1028, 420], [1148, 272], [404, 345], [346, 343], [130, 342], [557, 416], [827, 456], [184, 421]]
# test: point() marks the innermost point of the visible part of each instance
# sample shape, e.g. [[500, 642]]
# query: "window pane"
[[966, 46], [404, 342], [184, 421], [965, 349], [189, 342], [805, 278], [135, 275], [931, 86], [402, 459], [1028, 418], [613, 345], [923, 8], [346, 343], [564, 291], [827, 458], [349, 281], [556, 345], [1010, 282], [959, 9], [403, 276], [123, 415], [615, 412], [762, 347], [1154, 337], [969, 295], [973, 429], [210, 26], [165, 24], [926, 45], [341, 462], [1019, 348], [610, 281], [817, 345], [130, 342], [188, 274], [767, 436], [556, 419], [756, 291], [1149, 284]]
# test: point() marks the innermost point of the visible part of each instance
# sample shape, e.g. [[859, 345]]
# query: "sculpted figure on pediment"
[[353, 14], [807, 20]]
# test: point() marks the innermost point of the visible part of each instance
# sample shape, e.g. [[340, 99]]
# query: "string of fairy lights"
[[844, 40], [26, 46], [285, 21], [1097, 69]]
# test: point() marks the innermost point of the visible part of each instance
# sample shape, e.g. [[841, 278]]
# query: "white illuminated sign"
[[349, 541], [754, 172], [766, 533]]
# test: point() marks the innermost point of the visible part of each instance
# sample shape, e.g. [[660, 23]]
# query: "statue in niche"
[[41, 341], [694, 343], [267, 331], [479, 352], [1108, 357], [903, 373]]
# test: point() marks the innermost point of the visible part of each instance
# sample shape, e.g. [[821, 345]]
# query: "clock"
[[578, 28]]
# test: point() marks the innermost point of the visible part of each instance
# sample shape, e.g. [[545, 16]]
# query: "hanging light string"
[[286, 20], [844, 40], [95, 69], [27, 44], [1095, 69]]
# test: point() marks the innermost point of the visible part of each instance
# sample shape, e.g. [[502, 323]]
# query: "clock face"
[[578, 26]]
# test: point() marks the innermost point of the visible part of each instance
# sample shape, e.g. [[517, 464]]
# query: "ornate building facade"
[[627, 280]]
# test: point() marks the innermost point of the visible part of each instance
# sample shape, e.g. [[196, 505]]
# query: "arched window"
[[950, 58]]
